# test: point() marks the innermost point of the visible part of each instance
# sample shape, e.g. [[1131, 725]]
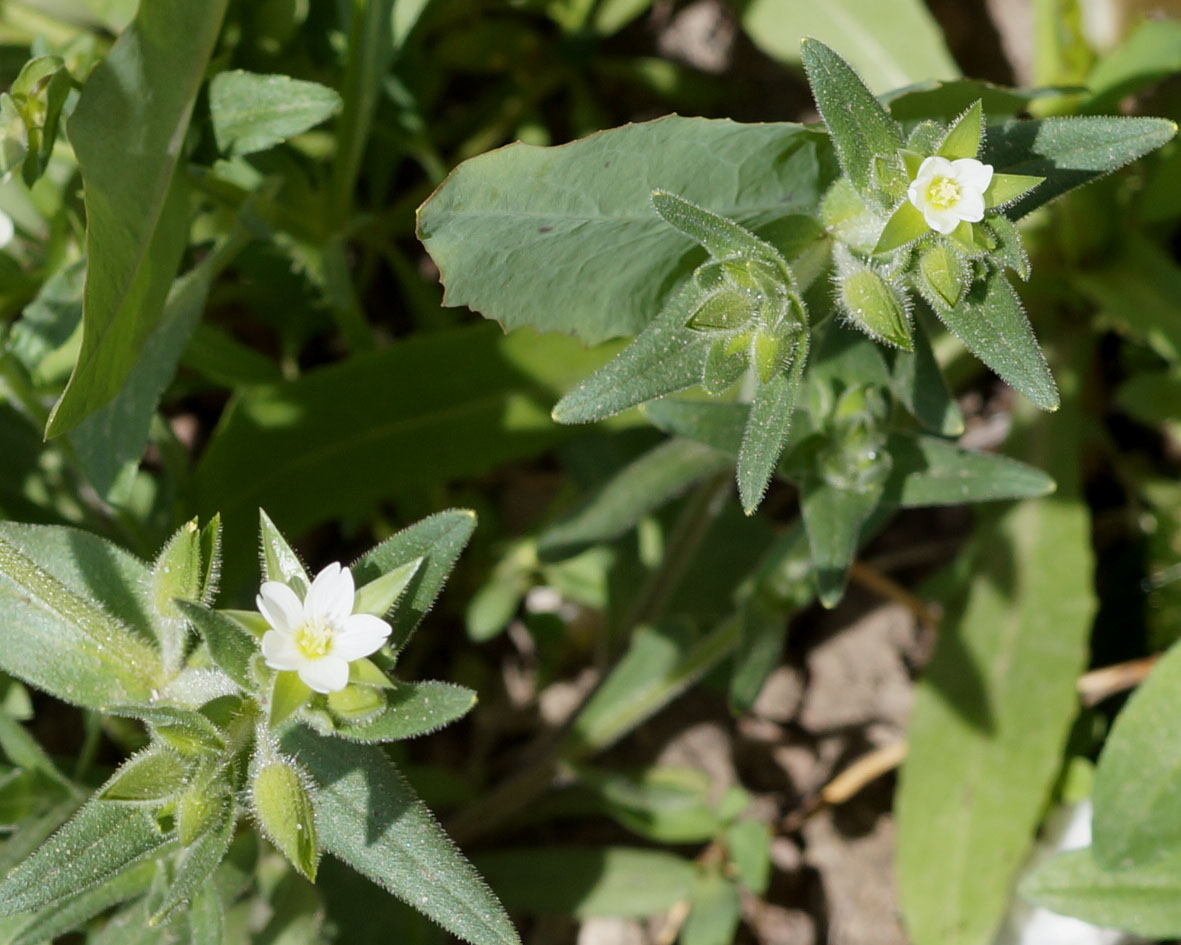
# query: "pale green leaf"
[[566, 238], [664, 804], [127, 131], [254, 112], [716, 909], [715, 423], [379, 595], [369, 817], [718, 235]]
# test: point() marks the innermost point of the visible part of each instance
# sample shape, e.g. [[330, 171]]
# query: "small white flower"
[[7, 230], [319, 636], [947, 192]]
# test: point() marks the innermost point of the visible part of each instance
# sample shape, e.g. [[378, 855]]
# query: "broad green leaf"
[[55, 635], [69, 913], [890, 45], [102, 839], [664, 358], [197, 861], [768, 427], [588, 881], [365, 429], [643, 485], [230, 646], [861, 129], [716, 909], [413, 709], [368, 816], [1069, 152], [127, 131], [254, 112], [715, 423], [834, 518], [660, 664], [32, 832], [991, 323], [438, 541], [978, 773], [1137, 804], [916, 380], [1145, 900], [667, 805], [566, 238], [929, 471], [284, 812]]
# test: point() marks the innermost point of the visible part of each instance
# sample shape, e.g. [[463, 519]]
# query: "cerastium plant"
[[274, 717]]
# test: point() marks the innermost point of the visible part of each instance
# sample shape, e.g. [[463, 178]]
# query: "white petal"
[[934, 167], [972, 174], [327, 674], [280, 651], [7, 230], [916, 192], [331, 594], [360, 635], [970, 207], [944, 221], [280, 605]]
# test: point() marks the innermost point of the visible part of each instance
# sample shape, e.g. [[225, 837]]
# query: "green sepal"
[[176, 576], [210, 559], [1010, 249], [860, 127], [719, 236], [184, 730], [889, 177], [770, 353], [284, 811], [365, 672], [906, 224], [1004, 189], [153, 774], [973, 238], [963, 139], [279, 562], [874, 305], [231, 647], [356, 705], [912, 161], [288, 694], [848, 217], [198, 809], [769, 424], [725, 362], [722, 311], [379, 596], [923, 140], [942, 274], [202, 855]]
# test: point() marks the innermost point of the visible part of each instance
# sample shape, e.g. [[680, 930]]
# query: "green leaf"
[[645, 484], [946, 101], [664, 804], [588, 881], [963, 138], [413, 709], [718, 235], [253, 112], [929, 471], [1150, 53], [1004, 189], [722, 311], [713, 423], [103, 838], [197, 861], [1010, 250], [1137, 806], [660, 664], [978, 773], [768, 427], [1069, 152], [916, 380], [289, 693], [367, 428], [127, 131], [185, 730], [368, 817], [438, 540], [890, 46], [176, 574], [1145, 901], [566, 238], [379, 595], [279, 560], [715, 912], [664, 358], [284, 812], [992, 325], [943, 274], [834, 518], [862, 131], [55, 636], [150, 775], [207, 915], [231, 648], [748, 843]]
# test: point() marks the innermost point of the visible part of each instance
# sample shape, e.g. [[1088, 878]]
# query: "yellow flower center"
[[314, 639], [943, 193]]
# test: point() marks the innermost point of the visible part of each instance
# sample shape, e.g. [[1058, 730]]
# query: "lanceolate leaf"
[[103, 838], [55, 635], [767, 429], [834, 519], [917, 381], [990, 322], [645, 484], [566, 238], [127, 131], [370, 818], [1143, 900], [414, 709], [197, 862], [230, 646], [1069, 152]]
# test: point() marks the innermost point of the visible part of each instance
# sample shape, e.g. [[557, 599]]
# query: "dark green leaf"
[[713, 423], [834, 518], [667, 805], [916, 381], [230, 646], [929, 471]]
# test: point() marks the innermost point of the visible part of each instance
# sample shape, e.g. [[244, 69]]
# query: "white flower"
[[947, 192], [7, 230], [319, 636]]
